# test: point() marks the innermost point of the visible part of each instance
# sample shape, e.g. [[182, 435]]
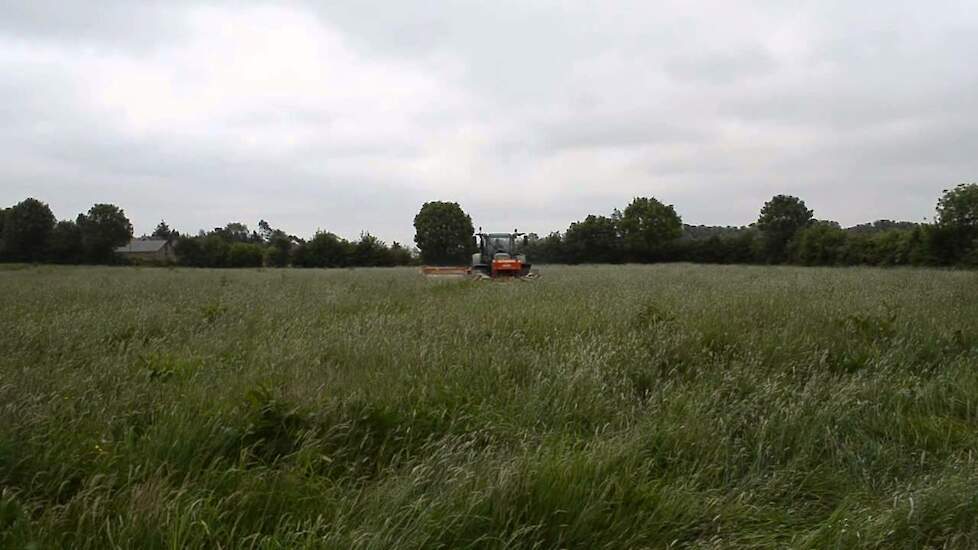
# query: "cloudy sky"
[[347, 116]]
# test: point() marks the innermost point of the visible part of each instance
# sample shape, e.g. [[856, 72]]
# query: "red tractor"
[[498, 256]]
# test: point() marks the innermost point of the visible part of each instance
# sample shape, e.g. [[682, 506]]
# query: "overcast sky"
[[347, 116]]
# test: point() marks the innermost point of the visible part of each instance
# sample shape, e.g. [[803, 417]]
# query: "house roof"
[[142, 245]]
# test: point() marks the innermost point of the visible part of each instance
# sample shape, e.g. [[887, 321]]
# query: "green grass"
[[597, 407]]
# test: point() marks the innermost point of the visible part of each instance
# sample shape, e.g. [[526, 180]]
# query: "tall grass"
[[597, 407]]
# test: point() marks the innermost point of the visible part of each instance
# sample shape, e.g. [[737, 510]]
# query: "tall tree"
[[646, 225], [957, 223], [780, 220], [164, 232], [958, 207], [265, 231], [26, 228], [594, 240], [279, 249], [443, 233], [103, 229]]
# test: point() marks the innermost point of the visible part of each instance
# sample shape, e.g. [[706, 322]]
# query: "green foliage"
[[886, 248], [958, 207], [279, 250], [957, 223], [443, 233], [400, 255], [820, 243], [594, 240], [216, 250], [323, 250], [545, 250], [103, 229], [728, 247], [647, 231], [616, 407], [647, 225], [370, 251], [273, 248], [236, 232], [163, 231], [190, 252], [65, 243], [879, 226], [274, 429], [26, 228], [245, 255], [781, 218]]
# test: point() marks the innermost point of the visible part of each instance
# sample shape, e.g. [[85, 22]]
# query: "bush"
[[190, 252], [245, 255], [323, 250], [820, 244]]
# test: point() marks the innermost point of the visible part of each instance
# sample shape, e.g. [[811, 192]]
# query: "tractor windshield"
[[499, 243]]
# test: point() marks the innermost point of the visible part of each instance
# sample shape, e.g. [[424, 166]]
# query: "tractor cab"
[[498, 255]]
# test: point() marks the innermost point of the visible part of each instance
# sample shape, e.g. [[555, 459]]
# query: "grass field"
[[597, 407]]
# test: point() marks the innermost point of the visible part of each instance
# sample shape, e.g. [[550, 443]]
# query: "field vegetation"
[[597, 407]]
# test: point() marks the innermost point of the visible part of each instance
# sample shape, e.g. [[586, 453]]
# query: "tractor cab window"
[[499, 244]]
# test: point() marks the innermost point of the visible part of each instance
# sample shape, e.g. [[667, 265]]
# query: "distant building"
[[148, 251]]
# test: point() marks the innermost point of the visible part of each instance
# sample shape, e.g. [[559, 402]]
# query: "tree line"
[[29, 232], [786, 232], [235, 246]]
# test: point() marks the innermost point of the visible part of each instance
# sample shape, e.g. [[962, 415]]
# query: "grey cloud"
[[556, 110], [101, 23], [722, 68], [621, 129]]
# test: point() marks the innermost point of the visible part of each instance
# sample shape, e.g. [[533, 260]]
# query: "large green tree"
[[103, 229], [956, 228], [781, 219], [647, 225], [27, 227], [594, 240], [443, 233], [237, 232], [279, 249], [958, 207]]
